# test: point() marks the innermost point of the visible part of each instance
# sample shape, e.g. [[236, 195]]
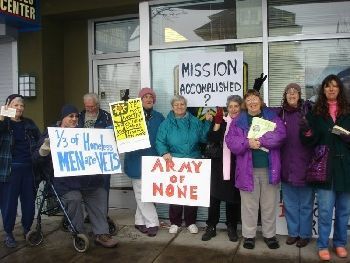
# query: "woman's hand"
[[167, 157], [208, 116], [254, 144], [45, 148]]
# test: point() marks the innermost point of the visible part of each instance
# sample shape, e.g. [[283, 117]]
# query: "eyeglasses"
[[252, 100]]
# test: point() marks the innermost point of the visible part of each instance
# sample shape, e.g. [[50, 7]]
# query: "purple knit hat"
[[145, 91]]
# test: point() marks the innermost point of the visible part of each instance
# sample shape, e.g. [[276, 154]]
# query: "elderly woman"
[[298, 197], [223, 174], [331, 109], [179, 135], [18, 138], [258, 167]]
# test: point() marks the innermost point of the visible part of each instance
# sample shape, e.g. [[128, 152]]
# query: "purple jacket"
[[295, 156], [237, 141]]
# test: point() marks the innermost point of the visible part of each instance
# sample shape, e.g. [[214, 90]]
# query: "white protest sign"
[[77, 151], [208, 79], [183, 181], [9, 112]]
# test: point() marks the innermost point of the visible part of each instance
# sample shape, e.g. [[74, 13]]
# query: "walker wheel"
[[113, 228], [81, 243], [34, 237]]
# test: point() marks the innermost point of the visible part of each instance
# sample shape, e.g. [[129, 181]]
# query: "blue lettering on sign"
[[86, 139], [106, 161], [71, 161]]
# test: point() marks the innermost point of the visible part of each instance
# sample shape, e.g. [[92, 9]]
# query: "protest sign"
[[208, 79], [129, 125], [9, 112], [77, 151], [183, 181]]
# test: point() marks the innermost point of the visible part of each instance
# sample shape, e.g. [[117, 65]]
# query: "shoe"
[[302, 242], [10, 241], [193, 229], [106, 240], [210, 232], [173, 229], [272, 242], [232, 234], [341, 252], [142, 229], [292, 240], [324, 254], [249, 243], [152, 231]]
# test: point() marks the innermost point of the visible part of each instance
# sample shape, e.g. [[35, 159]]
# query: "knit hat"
[[292, 86], [145, 91], [12, 97], [68, 109]]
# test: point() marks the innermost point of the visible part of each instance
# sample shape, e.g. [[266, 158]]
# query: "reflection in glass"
[[308, 17], [203, 21], [117, 36], [306, 63]]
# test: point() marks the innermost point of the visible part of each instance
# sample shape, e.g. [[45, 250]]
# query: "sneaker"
[[210, 232], [249, 243], [272, 242], [173, 229], [106, 240], [324, 254], [141, 228], [232, 234], [193, 229], [152, 231], [341, 252], [10, 241]]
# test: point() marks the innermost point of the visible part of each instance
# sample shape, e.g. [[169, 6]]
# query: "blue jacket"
[[181, 136], [132, 161], [7, 142], [104, 119], [65, 184]]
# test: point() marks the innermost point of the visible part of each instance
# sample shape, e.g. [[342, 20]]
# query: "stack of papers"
[[339, 130], [259, 127]]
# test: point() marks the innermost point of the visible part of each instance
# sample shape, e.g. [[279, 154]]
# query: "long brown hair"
[[321, 106]]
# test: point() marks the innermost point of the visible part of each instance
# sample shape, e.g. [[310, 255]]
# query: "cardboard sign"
[[206, 80], [129, 125], [9, 112], [77, 151], [183, 181]]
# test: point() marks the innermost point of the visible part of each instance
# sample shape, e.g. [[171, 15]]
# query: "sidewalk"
[[164, 248]]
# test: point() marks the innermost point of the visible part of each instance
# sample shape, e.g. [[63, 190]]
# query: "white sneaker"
[[193, 229], [173, 229]]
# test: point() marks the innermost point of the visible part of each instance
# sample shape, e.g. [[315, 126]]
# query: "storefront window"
[[117, 36], [165, 68], [306, 63], [205, 20], [287, 17]]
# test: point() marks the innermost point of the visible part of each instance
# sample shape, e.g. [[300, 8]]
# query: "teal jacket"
[[338, 178], [181, 136]]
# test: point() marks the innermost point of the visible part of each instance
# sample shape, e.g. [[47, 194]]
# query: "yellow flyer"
[[129, 125], [259, 127]]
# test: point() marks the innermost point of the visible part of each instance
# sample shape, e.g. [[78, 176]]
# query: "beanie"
[[292, 86], [68, 109], [145, 91]]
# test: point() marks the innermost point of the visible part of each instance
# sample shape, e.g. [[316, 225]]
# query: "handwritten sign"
[[208, 79], [129, 125], [9, 112], [184, 181], [77, 151]]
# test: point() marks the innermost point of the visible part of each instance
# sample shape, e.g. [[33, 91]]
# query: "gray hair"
[[234, 98], [178, 98], [92, 96]]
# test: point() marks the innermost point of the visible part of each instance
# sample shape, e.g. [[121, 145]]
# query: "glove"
[[219, 116], [45, 148], [304, 125], [259, 81]]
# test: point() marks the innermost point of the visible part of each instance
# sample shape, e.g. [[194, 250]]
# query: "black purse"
[[213, 150]]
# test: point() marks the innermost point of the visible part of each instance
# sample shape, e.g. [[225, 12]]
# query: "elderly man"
[[75, 189], [95, 117]]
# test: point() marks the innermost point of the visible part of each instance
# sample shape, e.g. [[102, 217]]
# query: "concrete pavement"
[[164, 248]]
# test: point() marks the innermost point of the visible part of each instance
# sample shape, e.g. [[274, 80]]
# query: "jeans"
[[327, 200], [298, 204]]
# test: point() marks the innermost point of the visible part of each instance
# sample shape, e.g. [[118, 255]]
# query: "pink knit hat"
[[145, 91]]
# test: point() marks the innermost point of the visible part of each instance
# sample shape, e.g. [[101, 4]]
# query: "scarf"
[[226, 153]]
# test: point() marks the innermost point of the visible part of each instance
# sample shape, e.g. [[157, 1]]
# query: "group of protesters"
[[245, 173]]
